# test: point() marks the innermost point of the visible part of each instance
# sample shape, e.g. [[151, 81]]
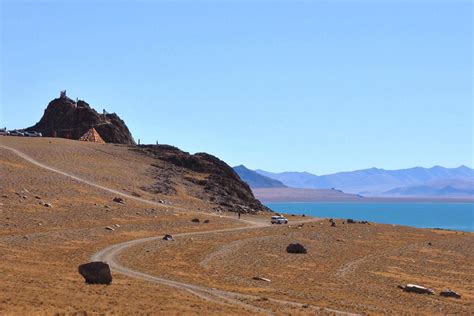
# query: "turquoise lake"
[[455, 216]]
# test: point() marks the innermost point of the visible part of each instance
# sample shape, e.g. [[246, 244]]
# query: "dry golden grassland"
[[351, 268]]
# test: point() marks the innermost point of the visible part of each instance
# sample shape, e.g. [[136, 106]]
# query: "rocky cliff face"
[[202, 176], [69, 119]]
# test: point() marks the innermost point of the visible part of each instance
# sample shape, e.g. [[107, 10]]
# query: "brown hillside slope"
[[350, 268]]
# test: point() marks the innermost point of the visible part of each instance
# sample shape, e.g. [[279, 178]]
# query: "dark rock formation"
[[195, 220], [69, 119], [296, 248], [207, 178], [96, 272]]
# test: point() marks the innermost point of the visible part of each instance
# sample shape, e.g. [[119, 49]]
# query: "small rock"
[[47, 205], [135, 194], [119, 200], [207, 221], [96, 272], [333, 224], [261, 279], [429, 244], [168, 237], [413, 288], [109, 228], [117, 225], [350, 221], [161, 202], [37, 197], [450, 293], [195, 220]]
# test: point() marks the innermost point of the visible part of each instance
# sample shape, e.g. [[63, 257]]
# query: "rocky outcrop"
[[67, 118], [205, 177]]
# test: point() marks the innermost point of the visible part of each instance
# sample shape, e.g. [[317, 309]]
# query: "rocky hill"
[[200, 175], [67, 118]]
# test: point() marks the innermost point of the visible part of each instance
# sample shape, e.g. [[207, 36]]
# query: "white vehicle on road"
[[16, 133], [279, 220], [33, 134]]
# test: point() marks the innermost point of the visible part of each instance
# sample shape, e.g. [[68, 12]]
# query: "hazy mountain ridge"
[[376, 181], [448, 187], [256, 180]]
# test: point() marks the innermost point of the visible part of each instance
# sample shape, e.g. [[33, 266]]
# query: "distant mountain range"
[[256, 180], [439, 188], [417, 182], [270, 190]]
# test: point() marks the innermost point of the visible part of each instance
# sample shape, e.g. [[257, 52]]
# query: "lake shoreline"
[[425, 215], [371, 200]]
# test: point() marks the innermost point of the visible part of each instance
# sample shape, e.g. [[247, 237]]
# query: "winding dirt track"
[[110, 253]]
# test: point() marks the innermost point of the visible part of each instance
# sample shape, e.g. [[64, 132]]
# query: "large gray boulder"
[[96, 272]]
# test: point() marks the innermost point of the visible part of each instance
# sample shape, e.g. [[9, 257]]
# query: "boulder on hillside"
[[168, 237], [67, 118], [450, 293], [195, 220], [296, 248], [257, 278], [96, 272], [119, 200], [413, 288]]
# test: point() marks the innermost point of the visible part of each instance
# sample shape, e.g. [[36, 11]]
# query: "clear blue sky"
[[276, 85]]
